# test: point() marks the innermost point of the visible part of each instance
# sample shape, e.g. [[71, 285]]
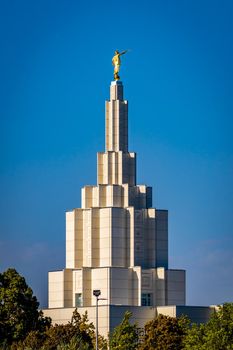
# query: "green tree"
[[124, 336], [19, 312], [34, 340], [79, 331], [194, 339], [83, 324], [77, 334], [63, 334], [216, 334], [164, 333], [74, 344]]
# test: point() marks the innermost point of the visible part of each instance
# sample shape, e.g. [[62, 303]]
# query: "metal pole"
[[97, 323]]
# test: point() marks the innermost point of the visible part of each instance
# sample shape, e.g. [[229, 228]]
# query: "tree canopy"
[[124, 336], [164, 333], [19, 312], [216, 334], [23, 326]]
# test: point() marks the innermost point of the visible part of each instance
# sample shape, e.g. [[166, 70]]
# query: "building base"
[[110, 316]]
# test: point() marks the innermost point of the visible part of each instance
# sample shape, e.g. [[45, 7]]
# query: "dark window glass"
[[78, 299], [146, 299]]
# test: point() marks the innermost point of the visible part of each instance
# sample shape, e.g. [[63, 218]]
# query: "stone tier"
[[116, 168], [116, 120], [121, 196], [120, 286], [100, 237]]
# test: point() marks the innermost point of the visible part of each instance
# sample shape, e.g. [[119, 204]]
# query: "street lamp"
[[97, 293]]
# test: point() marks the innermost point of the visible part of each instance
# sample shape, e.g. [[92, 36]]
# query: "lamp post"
[[96, 293]]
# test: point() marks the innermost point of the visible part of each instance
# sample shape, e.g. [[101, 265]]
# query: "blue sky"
[[178, 77]]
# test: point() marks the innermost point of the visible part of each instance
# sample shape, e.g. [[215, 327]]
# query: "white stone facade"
[[117, 242]]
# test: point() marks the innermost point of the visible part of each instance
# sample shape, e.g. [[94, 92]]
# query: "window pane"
[[146, 299], [78, 299]]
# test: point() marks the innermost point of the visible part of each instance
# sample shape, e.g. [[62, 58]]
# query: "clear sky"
[[55, 72]]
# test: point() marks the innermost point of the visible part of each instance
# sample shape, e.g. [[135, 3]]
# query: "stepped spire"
[[116, 133], [116, 242], [116, 166]]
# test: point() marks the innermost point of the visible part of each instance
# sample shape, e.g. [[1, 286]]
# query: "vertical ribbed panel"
[[116, 90], [116, 168], [116, 125]]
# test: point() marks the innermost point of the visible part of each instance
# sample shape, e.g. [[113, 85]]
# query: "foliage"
[[82, 323], [124, 336], [79, 330], [102, 343], [164, 333], [34, 340], [78, 334], [194, 339], [74, 344], [22, 326], [216, 334], [18, 309], [58, 334]]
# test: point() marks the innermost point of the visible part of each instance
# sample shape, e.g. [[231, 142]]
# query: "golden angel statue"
[[116, 62]]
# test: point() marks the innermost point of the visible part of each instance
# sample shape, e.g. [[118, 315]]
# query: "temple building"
[[117, 242]]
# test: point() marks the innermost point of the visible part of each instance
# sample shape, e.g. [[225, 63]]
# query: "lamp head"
[[96, 292]]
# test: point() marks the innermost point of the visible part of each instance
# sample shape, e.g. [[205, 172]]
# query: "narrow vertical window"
[[78, 299], [146, 299]]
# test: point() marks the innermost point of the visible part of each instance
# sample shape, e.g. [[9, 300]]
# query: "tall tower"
[[116, 241]]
